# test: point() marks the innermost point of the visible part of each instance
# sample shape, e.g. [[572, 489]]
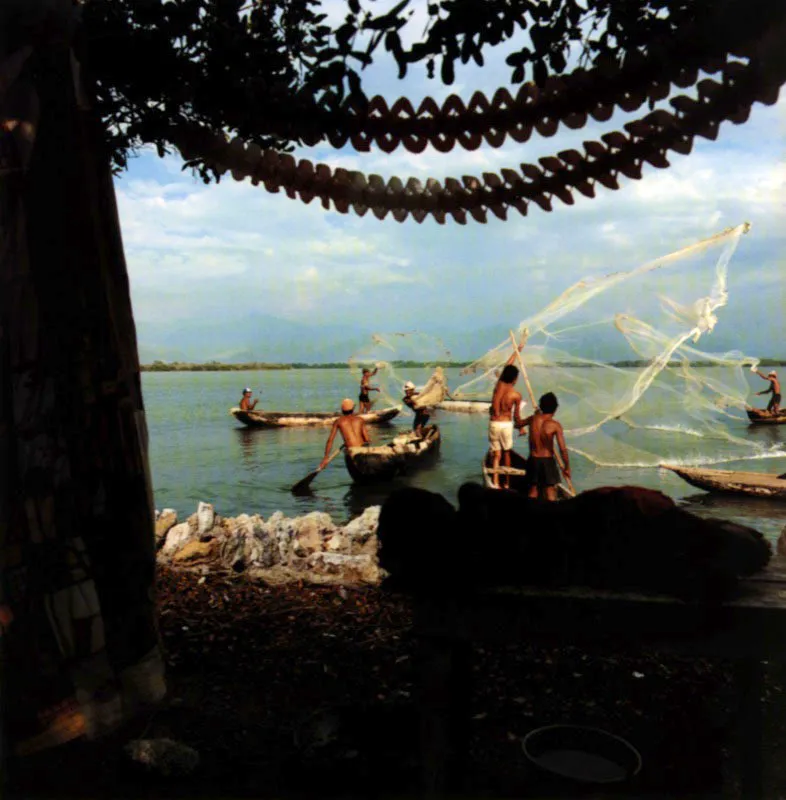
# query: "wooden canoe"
[[754, 484], [760, 417], [518, 475], [465, 406], [399, 457], [292, 419]]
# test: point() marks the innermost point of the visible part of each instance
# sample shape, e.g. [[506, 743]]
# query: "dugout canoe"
[[518, 475], [760, 417], [465, 406], [401, 456], [293, 419], [753, 484]]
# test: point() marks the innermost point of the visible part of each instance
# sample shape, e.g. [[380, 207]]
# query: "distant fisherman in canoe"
[[365, 388], [542, 469], [505, 404], [421, 414], [353, 430], [774, 405], [246, 404]]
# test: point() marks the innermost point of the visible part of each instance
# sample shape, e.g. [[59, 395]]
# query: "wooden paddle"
[[303, 485], [571, 490]]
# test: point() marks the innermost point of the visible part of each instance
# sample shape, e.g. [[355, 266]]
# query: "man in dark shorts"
[[421, 414], [542, 469], [363, 398], [774, 406]]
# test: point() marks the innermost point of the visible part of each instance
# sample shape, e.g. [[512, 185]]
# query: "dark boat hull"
[[301, 419], [385, 462], [758, 417], [518, 483], [752, 484]]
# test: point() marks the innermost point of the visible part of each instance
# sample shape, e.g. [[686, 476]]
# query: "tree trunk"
[[76, 508]]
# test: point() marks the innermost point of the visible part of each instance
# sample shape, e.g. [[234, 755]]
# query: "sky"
[[214, 257]]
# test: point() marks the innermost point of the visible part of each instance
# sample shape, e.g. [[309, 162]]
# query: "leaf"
[[354, 6], [518, 74]]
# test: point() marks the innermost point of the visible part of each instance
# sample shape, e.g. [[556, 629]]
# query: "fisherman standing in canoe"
[[353, 430], [246, 404], [421, 414], [365, 388], [542, 469], [774, 406], [505, 404]]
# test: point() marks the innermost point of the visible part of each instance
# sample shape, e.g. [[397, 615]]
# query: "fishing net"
[[629, 356], [402, 357], [622, 355]]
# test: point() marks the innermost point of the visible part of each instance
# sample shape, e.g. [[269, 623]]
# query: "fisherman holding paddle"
[[353, 430]]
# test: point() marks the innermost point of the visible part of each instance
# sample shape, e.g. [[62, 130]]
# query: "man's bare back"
[[505, 402], [543, 429], [352, 427], [353, 430]]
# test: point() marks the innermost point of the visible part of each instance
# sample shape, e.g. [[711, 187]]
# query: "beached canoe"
[[760, 417], [401, 456], [465, 406], [292, 419], [755, 484], [518, 475]]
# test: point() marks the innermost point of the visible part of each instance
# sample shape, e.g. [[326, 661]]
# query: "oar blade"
[[303, 486]]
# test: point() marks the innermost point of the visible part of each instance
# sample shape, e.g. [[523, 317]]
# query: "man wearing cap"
[[246, 404], [774, 405], [353, 430], [421, 414]]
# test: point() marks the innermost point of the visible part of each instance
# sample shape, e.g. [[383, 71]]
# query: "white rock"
[[362, 528], [206, 517], [176, 538]]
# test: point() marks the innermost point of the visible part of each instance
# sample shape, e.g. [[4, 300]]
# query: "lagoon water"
[[198, 451]]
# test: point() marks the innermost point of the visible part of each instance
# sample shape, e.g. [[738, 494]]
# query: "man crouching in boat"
[[542, 469], [421, 414], [246, 403], [353, 430], [505, 404]]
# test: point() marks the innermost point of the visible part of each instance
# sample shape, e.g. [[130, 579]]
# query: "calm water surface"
[[198, 451]]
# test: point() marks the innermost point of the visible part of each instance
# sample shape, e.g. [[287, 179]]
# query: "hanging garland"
[[646, 140]]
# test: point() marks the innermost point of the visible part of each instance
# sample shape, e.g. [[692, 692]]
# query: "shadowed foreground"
[[294, 691]]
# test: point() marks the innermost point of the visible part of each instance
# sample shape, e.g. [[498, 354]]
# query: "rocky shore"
[[310, 548]]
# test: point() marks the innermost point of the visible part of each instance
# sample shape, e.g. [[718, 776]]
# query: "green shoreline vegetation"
[[217, 366]]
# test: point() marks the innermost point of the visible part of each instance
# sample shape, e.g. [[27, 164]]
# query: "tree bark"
[[76, 503]]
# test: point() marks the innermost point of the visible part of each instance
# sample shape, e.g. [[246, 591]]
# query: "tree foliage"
[[257, 69]]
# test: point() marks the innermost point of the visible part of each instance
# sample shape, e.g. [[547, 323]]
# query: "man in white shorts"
[[505, 406]]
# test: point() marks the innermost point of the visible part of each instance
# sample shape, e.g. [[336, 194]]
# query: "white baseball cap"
[[409, 385]]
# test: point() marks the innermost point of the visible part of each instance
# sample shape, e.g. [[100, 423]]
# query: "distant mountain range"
[[273, 340]]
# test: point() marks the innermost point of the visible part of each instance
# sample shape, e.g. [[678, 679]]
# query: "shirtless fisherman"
[[775, 387], [542, 470], [421, 414], [353, 430], [365, 388], [246, 403], [504, 411]]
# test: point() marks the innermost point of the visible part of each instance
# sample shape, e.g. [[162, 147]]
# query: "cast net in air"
[[630, 357], [625, 356]]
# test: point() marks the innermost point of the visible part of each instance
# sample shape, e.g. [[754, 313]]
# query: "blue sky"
[[232, 251]]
